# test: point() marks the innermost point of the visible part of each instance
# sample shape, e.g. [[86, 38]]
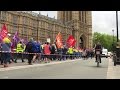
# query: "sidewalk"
[[113, 71]]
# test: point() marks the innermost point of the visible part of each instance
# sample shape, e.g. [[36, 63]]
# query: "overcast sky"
[[102, 21]]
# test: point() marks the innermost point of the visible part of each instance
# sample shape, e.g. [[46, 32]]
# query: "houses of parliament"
[[30, 24]]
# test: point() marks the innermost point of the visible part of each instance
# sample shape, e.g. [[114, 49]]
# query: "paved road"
[[77, 69]]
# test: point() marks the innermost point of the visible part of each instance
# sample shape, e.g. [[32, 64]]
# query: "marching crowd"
[[34, 50]]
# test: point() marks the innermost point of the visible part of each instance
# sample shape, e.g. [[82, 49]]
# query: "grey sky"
[[102, 21]]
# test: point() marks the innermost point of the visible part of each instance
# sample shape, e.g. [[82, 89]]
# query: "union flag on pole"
[[4, 31], [71, 41], [59, 40]]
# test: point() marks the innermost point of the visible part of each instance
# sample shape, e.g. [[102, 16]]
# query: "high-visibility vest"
[[19, 48], [70, 50]]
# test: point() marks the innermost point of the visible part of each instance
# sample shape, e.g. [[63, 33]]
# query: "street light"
[[113, 35], [113, 40], [117, 24]]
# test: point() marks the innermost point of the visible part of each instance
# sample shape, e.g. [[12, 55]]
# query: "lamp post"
[[113, 40], [113, 36], [117, 25]]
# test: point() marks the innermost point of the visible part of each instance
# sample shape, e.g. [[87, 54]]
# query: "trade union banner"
[[4, 32], [59, 40], [71, 41], [15, 40]]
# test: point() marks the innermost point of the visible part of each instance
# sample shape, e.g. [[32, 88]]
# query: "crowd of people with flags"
[[12, 49]]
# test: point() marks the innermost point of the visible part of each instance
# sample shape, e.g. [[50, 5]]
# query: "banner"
[[59, 40], [16, 37], [4, 32], [71, 41], [0, 38], [15, 40], [48, 40]]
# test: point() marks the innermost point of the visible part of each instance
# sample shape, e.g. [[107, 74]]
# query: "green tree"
[[105, 39]]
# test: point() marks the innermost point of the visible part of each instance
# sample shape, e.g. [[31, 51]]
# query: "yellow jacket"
[[70, 50], [20, 48]]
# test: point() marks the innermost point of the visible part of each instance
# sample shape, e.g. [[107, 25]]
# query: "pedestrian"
[[70, 51], [30, 48], [19, 51], [91, 53], [38, 51], [64, 50], [1, 61], [6, 50], [47, 52], [42, 52], [53, 52], [84, 53]]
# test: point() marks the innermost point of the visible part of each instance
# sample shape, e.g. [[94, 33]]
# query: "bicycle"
[[98, 57]]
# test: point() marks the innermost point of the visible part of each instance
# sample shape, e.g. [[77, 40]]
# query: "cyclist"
[[98, 47]]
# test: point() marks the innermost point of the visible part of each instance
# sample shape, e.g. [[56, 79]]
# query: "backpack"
[[29, 47]]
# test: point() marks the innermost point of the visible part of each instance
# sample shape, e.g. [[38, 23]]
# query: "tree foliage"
[[105, 39]]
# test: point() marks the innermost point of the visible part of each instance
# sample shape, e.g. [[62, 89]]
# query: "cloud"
[[103, 21]]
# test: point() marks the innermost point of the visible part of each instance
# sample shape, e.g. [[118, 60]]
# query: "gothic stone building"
[[40, 27]]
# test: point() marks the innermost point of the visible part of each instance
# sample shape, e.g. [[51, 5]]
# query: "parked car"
[[109, 54], [105, 53]]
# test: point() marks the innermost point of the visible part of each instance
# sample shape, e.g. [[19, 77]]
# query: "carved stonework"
[[82, 23], [30, 24]]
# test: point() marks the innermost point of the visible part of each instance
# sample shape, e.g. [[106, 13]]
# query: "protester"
[[38, 51], [84, 53], [1, 61], [53, 50], [6, 49], [64, 54], [19, 50], [70, 51], [30, 48], [47, 52]]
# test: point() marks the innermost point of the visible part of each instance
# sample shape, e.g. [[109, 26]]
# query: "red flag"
[[59, 40], [4, 31], [71, 41]]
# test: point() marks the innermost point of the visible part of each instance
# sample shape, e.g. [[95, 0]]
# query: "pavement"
[[113, 71]]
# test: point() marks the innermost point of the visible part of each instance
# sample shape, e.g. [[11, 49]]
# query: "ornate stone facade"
[[40, 27], [81, 23]]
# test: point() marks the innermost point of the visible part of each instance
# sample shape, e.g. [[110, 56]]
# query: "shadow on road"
[[98, 67]]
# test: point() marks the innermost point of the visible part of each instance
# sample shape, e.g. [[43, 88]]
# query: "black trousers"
[[30, 57], [99, 58], [71, 56], [20, 55], [53, 56]]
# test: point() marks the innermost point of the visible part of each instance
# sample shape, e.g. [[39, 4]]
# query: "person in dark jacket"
[[30, 48], [98, 47], [53, 57], [38, 51], [64, 54]]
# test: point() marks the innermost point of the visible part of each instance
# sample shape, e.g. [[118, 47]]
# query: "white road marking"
[[34, 65], [110, 72]]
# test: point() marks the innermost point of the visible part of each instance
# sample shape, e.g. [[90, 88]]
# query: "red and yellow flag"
[[59, 40]]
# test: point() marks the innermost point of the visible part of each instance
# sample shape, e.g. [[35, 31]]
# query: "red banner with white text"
[[71, 41], [4, 32]]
